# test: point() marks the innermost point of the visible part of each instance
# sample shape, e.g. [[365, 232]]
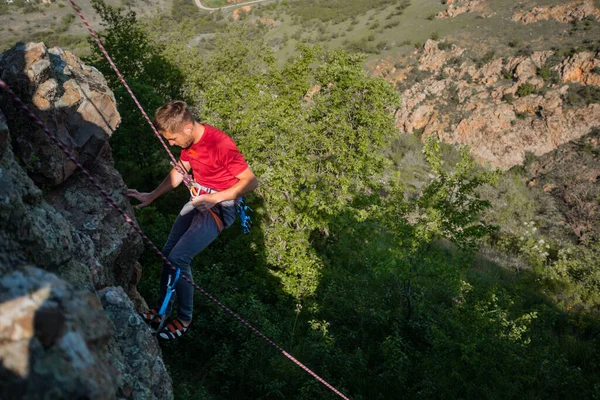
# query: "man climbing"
[[223, 177]]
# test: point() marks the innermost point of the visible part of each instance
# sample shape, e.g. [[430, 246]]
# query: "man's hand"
[[144, 198], [204, 202]]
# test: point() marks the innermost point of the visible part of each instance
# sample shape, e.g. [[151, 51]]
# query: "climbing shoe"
[[173, 329], [151, 318]]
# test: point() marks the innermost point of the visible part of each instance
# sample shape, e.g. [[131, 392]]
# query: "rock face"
[[457, 7], [501, 108], [66, 331], [571, 175], [573, 11], [71, 98], [53, 339]]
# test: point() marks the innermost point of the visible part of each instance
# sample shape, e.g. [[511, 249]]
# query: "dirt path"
[[199, 4]]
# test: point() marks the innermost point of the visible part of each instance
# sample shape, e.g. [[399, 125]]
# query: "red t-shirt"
[[215, 159]]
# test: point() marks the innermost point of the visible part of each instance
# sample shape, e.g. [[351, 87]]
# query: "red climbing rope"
[[187, 179], [131, 222]]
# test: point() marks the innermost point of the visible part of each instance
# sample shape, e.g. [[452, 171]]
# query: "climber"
[[222, 176]]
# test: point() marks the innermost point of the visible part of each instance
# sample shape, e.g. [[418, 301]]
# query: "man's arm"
[[171, 181], [247, 183]]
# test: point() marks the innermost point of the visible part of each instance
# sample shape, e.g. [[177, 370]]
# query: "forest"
[[392, 266]]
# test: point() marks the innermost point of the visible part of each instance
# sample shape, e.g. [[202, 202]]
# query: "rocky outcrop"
[[458, 7], [63, 251], [580, 68], [238, 12], [81, 109], [139, 360], [53, 339], [566, 13], [70, 97], [502, 108], [432, 58], [571, 175]]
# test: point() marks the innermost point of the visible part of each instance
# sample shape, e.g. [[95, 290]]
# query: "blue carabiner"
[[169, 293], [243, 211]]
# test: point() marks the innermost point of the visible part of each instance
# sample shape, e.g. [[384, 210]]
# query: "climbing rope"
[[187, 179], [138, 230]]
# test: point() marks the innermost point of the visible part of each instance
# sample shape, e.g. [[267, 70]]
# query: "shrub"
[[445, 46], [525, 51], [513, 43], [525, 89], [392, 24]]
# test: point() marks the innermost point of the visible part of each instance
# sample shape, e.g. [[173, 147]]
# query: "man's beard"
[[188, 144]]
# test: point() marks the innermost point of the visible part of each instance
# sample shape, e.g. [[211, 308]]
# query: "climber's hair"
[[172, 117]]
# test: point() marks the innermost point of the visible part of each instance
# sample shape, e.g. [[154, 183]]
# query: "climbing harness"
[[196, 189], [162, 313], [137, 229], [241, 209]]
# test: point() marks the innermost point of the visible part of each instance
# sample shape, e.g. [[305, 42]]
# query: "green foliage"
[[525, 89], [451, 204], [582, 96], [137, 57], [549, 75], [364, 45], [575, 270], [487, 57], [484, 335], [313, 156], [65, 23], [362, 262], [514, 43], [336, 11], [181, 10], [508, 98], [137, 152], [448, 208]]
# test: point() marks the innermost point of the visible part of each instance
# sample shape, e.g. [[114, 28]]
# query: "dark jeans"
[[191, 233]]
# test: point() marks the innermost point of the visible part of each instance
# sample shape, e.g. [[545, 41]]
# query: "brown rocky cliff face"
[[64, 252], [572, 11], [571, 175], [464, 103], [458, 7]]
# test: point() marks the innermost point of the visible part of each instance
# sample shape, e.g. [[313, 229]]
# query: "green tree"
[[313, 153], [154, 80], [448, 208]]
